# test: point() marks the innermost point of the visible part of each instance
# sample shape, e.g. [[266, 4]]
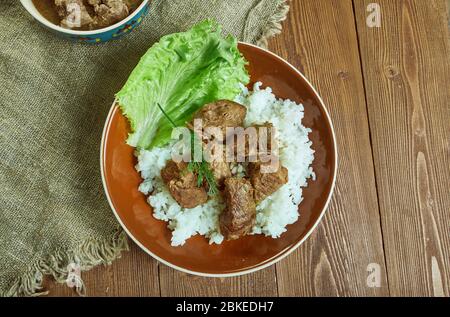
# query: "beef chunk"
[[108, 12], [239, 216], [95, 14], [68, 19], [172, 170], [265, 184], [266, 134], [217, 163], [263, 146], [222, 114], [182, 185], [221, 171]]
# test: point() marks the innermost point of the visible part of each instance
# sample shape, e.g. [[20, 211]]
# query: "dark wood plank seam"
[[158, 265], [276, 279], [371, 143]]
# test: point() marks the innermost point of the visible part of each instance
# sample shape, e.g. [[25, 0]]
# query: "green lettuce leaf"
[[181, 72]]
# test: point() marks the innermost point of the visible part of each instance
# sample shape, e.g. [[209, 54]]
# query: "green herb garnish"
[[203, 168]]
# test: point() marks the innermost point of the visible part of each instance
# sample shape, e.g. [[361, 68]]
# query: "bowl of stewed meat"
[[91, 21], [218, 158]]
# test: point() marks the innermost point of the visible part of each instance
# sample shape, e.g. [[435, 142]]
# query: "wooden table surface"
[[388, 92]]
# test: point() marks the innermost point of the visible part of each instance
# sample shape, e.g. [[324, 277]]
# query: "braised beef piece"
[[65, 10], [263, 134], [266, 134], [221, 171], [108, 12], [182, 185], [265, 184], [217, 163], [95, 14], [221, 114], [239, 215], [172, 170], [264, 181]]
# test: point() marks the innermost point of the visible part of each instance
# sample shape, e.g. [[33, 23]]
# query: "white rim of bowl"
[[29, 6], [276, 258]]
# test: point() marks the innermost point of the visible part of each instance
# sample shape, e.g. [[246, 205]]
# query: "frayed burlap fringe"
[[273, 26], [88, 254]]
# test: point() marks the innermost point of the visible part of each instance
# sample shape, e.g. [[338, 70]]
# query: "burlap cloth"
[[54, 98]]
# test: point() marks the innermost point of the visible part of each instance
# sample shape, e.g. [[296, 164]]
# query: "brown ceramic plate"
[[249, 253]]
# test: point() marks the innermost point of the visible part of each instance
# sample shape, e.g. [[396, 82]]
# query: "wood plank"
[[134, 274], [174, 283], [407, 76], [320, 39]]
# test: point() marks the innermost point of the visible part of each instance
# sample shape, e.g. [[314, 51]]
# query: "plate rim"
[[263, 265]]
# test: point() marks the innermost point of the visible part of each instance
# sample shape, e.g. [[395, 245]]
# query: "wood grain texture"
[[174, 283], [406, 64], [134, 274], [320, 39]]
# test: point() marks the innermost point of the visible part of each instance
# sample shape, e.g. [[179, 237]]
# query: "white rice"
[[276, 211]]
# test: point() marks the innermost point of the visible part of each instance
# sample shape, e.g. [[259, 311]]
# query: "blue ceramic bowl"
[[96, 36]]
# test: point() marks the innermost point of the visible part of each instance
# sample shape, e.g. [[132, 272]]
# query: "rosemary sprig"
[[202, 169]]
